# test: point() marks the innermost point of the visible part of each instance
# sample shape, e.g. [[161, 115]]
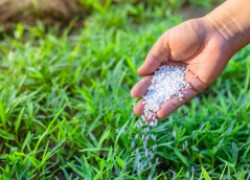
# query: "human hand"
[[195, 44]]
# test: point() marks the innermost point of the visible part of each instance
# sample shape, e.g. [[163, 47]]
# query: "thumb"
[[156, 56]]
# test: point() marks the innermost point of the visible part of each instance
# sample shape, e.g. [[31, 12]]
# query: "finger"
[[141, 87], [196, 86], [139, 110], [175, 102], [156, 56], [139, 107], [194, 81], [149, 66]]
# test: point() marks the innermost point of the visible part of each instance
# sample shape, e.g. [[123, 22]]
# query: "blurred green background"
[[65, 105]]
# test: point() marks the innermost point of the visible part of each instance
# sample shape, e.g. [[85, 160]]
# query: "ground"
[[66, 110], [59, 12]]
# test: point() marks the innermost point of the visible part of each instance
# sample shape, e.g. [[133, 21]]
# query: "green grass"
[[66, 112]]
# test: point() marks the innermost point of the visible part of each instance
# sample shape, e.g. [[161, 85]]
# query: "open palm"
[[194, 44]]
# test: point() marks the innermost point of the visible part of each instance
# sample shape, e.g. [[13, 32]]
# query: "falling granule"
[[133, 144], [144, 152], [166, 82]]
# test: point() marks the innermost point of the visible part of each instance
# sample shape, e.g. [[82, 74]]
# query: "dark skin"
[[195, 44]]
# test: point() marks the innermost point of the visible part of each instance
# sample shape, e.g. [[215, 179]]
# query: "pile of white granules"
[[167, 81]]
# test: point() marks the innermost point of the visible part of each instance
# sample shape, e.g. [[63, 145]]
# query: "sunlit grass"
[[65, 108]]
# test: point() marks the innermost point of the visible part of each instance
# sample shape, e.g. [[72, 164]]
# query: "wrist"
[[230, 21]]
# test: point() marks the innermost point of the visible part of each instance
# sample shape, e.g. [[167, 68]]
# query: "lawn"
[[66, 110]]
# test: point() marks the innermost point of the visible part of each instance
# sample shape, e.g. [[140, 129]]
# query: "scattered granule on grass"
[[167, 81]]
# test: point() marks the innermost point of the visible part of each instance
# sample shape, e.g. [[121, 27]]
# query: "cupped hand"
[[195, 44]]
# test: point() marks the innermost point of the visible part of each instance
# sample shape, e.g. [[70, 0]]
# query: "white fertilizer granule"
[[166, 82], [145, 148]]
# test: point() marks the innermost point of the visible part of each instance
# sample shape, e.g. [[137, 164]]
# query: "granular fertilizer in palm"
[[167, 82]]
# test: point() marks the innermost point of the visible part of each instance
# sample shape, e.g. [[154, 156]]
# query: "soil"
[[48, 11], [60, 12]]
